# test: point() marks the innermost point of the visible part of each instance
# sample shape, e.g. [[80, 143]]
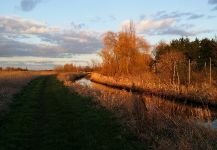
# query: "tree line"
[[13, 69], [181, 61], [73, 68], [192, 60]]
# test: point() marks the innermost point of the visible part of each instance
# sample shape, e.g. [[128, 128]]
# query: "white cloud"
[[18, 25], [165, 26], [150, 24], [145, 25], [35, 30]]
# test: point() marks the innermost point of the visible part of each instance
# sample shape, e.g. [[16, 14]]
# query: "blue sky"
[[70, 30]]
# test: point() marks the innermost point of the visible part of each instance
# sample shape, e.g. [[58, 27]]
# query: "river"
[[202, 115]]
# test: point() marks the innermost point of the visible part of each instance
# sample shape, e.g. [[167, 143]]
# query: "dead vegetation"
[[174, 73], [155, 126], [203, 94]]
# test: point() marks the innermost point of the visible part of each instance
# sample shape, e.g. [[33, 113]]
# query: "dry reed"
[[200, 93], [156, 126]]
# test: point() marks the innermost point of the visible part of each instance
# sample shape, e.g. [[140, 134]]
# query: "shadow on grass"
[[45, 115]]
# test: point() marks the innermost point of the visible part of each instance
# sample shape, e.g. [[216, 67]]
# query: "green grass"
[[46, 116]]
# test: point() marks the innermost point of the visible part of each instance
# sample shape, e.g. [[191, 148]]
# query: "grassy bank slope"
[[188, 94]]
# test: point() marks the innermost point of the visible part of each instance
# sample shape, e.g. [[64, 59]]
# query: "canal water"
[[201, 114]]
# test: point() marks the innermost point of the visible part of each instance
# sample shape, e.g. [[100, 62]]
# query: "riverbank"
[[206, 95], [155, 126], [71, 76]]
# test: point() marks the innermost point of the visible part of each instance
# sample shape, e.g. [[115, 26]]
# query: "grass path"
[[46, 116]]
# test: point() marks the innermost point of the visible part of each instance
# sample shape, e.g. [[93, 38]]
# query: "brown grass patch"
[[12, 82]]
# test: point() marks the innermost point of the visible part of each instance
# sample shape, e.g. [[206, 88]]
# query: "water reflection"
[[202, 115], [84, 82]]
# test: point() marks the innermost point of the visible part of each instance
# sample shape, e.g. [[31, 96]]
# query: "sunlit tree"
[[124, 52], [172, 67]]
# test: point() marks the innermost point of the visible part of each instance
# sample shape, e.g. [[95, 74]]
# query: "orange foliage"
[[124, 53]]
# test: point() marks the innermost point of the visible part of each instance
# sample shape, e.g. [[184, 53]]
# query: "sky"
[[40, 34]]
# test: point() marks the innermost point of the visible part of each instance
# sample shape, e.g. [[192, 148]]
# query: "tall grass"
[[158, 127], [198, 93]]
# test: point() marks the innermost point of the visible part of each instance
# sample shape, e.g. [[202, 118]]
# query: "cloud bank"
[[37, 63], [17, 25], [169, 23], [24, 37]]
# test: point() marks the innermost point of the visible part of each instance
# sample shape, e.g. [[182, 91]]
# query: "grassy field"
[[55, 113], [12, 82], [46, 116]]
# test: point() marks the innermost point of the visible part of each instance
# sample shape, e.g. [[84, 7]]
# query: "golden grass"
[[201, 93], [12, 82], [156, 127]]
